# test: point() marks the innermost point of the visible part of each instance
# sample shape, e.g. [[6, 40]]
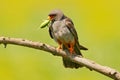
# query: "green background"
[[97, 23]]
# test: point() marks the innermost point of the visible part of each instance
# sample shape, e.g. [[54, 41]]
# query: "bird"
[[62, 30]]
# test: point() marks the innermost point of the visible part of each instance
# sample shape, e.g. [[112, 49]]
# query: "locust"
[[45, 23]]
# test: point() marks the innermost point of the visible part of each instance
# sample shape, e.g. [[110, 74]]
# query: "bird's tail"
[[69, 64], [80, 46]]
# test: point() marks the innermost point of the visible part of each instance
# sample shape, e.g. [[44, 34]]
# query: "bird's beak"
[[50, 17]]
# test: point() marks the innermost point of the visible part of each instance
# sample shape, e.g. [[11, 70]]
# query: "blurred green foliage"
[[97, 23]]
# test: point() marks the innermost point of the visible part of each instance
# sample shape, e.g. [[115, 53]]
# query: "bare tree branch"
[[112, 73]]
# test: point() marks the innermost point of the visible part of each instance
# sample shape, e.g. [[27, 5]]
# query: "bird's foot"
[[59, 47], [71, 50]]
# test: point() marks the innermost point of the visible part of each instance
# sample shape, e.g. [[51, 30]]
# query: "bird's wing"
[[50, 30], [70, 26]]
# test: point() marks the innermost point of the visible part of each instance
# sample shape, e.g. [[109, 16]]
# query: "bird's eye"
[[52, 15]]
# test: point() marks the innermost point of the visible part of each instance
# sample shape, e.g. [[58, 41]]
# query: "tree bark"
[[112, 73]]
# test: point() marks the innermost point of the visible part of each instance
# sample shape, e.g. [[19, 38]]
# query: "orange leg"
[[71, 48]]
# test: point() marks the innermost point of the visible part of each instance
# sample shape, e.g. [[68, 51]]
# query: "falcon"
[[62, 30]]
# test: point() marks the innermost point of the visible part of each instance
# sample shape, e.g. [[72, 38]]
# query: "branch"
[[112, 73]]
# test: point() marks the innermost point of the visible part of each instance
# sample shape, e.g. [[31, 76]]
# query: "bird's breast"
[[61, 32]]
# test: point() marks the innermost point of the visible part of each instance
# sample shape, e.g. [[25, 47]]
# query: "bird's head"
[[55, 15]]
